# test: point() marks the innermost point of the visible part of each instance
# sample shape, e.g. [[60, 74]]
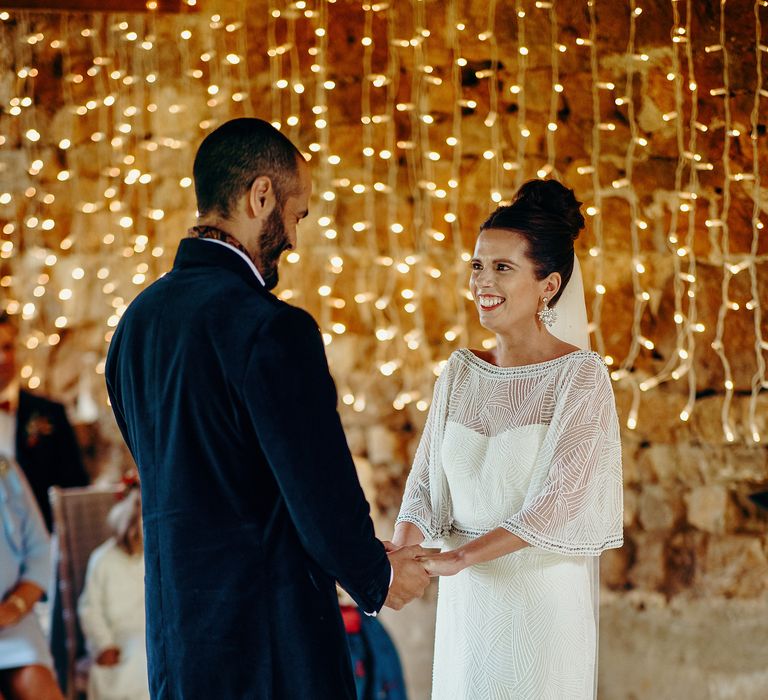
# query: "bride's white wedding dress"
[[534, 450]]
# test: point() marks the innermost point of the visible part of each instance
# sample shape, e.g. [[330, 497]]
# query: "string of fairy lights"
[[595, 209], [518, 89], [640, 295], [454, 141], [689, 321], [718, 344], [759, 377], [679, 364], [555, 95], [421, 102]]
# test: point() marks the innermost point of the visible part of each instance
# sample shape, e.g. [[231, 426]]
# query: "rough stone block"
[[733, 566], [649, 569], [629, 467], [684, 550], [710, 508], [631, 504], [614, 566], [666, 464], [660, 509], [687, 649]]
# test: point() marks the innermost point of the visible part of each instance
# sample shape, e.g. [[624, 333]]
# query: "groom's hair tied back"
[[232, 156], [547, 214]]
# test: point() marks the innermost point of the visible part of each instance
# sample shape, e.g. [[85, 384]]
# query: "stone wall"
[[654, 122]]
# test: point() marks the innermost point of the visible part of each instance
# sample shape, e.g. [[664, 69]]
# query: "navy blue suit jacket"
[[46, 449], [252, 506]]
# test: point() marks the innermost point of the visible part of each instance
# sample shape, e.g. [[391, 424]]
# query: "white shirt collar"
[[11, 394], [242, 255]]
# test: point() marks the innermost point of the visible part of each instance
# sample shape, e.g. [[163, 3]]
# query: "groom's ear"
[[261, 197]]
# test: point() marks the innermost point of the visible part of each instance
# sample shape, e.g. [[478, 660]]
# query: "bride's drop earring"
[[547, 316]]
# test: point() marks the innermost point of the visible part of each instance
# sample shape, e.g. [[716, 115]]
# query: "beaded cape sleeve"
[[574, 500], [426, 500]]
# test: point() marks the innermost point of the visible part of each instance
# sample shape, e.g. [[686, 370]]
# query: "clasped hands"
[[412, 566]]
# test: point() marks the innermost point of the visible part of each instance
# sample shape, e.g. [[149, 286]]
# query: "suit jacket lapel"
[[22, 418]]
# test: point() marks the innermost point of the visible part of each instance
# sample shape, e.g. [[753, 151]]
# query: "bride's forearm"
[[492, 545], [407, 534]]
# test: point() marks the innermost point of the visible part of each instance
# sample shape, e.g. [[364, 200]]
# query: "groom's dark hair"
[[232, 156]]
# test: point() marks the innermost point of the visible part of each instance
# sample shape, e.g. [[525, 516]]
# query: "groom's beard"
[[274, 241]]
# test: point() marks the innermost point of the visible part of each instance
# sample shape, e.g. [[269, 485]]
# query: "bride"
[[518, 472]]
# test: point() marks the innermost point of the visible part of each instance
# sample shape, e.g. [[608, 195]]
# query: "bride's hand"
[[443, 564]]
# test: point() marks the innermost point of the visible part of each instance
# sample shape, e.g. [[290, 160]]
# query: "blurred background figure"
[[35, 430], [111, 608], [26, 666], [375, 661]]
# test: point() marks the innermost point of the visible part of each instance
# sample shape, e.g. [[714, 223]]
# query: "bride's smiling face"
[[503, 281]]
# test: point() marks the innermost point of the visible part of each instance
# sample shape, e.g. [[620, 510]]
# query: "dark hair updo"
[[547, 215]]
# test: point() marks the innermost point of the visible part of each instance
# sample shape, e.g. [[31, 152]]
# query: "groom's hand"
[[410, 579]]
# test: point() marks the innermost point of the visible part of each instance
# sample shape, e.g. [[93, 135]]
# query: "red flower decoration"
[[37, 427], [129, 481]]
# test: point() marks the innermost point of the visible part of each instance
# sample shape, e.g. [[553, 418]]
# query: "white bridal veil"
[[572, 327]]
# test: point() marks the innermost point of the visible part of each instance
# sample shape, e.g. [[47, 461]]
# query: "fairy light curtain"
[[418, 117]]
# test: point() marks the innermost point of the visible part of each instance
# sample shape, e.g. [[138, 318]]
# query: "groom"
[[252, 508]]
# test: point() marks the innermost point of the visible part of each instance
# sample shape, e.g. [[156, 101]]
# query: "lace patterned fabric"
[[535, 450]]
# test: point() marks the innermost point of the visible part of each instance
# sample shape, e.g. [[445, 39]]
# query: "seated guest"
[[25, 565], [35, 430], [111, 607]]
